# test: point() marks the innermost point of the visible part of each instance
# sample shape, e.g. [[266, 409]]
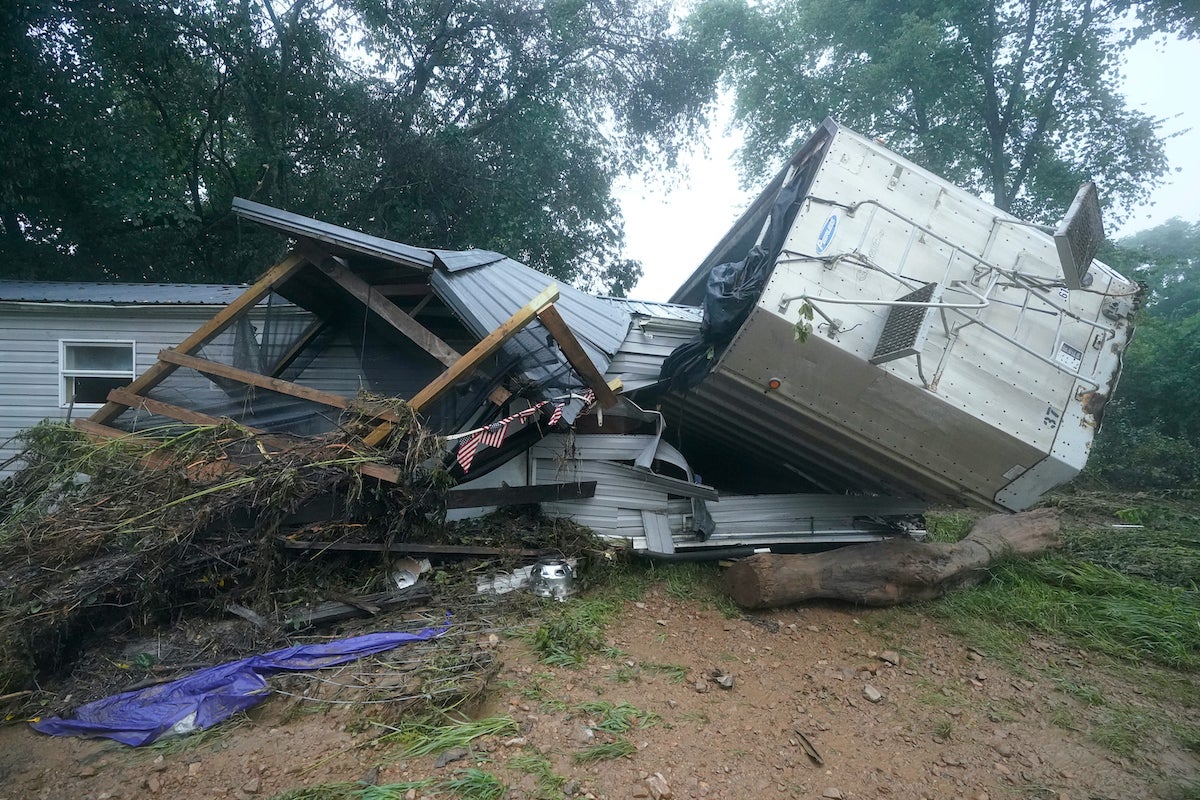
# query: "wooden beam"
[[490, 344], [519, 495], [275, 385], [387, 310], [362, 606], [576, 355], [97, 431], [273, 277], [128, 398]]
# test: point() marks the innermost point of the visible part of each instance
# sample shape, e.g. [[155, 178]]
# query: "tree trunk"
[[892, 572]]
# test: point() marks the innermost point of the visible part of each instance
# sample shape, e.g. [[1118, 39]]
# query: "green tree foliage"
[[1181, 17], [131, 124], [1151, 434], [1016, 101]]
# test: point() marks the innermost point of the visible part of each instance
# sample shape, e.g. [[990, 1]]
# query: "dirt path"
[[949, 722]]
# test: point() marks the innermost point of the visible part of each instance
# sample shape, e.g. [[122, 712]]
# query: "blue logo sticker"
[[827, 232]]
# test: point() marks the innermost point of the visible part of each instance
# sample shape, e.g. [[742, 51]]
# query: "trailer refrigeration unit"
[[867, 325]]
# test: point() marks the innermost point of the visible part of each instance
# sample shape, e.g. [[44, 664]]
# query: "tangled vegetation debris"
[[133, 530]]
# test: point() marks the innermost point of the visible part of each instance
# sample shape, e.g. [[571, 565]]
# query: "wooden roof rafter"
[[161, 370]]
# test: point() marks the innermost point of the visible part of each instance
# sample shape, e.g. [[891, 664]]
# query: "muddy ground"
[[894, 705]]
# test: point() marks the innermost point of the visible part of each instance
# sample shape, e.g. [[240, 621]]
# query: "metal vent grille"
[[906, 328], [1079, 236]]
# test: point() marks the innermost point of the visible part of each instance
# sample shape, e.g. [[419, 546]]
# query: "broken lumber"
[[894, 571], [367, 605]]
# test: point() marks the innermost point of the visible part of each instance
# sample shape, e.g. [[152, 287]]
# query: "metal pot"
[[552, 577]]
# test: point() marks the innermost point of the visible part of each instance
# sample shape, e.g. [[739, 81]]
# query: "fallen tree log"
[[891, 572]]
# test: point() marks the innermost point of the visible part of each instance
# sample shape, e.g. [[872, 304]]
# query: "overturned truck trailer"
[[868, 326]]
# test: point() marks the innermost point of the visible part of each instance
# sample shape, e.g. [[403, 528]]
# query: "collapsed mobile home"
[[865, 341]]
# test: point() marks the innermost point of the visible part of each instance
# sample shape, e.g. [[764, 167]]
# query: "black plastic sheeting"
[[733, 288]]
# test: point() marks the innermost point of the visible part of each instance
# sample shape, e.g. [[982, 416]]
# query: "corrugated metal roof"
[[188, 294], [353, 240], [454, 260], [663, 311], [485, 297]]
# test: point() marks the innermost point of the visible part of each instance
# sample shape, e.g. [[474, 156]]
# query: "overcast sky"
[[671, 228]]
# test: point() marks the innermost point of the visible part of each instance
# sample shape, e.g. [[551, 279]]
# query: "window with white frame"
[[89, 370]]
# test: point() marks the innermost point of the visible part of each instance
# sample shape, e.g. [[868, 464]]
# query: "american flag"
[[466, 451], [493, 435], [557, 415]]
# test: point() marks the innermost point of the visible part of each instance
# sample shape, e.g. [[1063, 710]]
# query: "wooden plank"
[[519, 495], [380, 472], [362, 606], [157, 373], [274, 384], [128, 398], [576, 355], [490, 344], [387, 310], [413, 547]]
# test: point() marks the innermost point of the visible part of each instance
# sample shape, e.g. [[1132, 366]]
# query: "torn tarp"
[[211, 695]]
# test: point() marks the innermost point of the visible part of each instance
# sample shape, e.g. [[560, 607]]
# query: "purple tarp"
[[211, 695]]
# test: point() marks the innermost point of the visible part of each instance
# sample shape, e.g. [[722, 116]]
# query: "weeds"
[[619, 718], [420, 737], [549, 783], [948, 525], [570, 632], [676, 673], [354, 791], [475, 784], [606, 751], [1096, 607], [1121, 731]]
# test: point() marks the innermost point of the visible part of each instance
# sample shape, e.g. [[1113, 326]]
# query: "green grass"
[[944, 525], [1095, 607], [570, 632], [619, 718], [474, 784], [1122, 731], [1188, 735], [1086, 693], [549, 783], [1182, 791], [943, 729], [430, 735], [353, 791], [604, 752], [676, 673], [1063, 718]]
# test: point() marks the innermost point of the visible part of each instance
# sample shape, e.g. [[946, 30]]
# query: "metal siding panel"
[[29, 339]]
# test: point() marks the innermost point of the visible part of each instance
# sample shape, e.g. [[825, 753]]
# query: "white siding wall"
[[29, 351]]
